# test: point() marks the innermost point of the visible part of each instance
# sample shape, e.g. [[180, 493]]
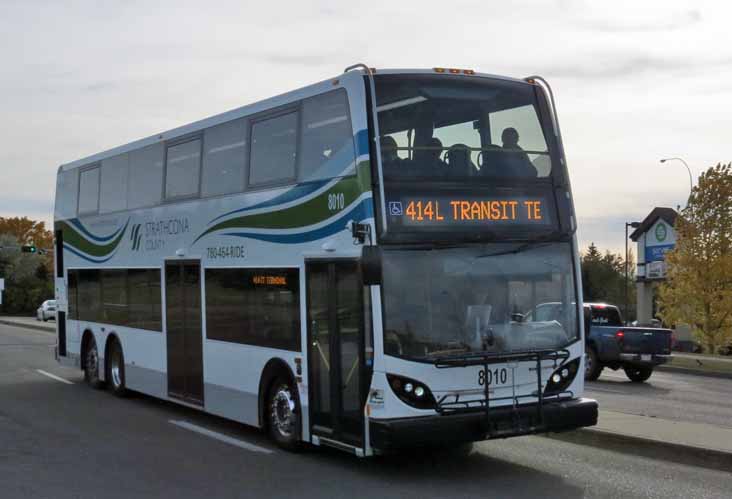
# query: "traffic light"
[[28, 248]]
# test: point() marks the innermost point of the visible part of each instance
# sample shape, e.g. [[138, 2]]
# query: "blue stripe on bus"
[[362, 143], [88, 259], [76, 223], [361, 211]]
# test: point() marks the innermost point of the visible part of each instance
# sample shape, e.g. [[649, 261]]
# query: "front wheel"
[[638, 374], [116, 370], [284, 414], [593, 368], [91, 365]]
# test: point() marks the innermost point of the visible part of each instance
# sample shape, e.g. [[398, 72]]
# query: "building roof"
[[669, 215]]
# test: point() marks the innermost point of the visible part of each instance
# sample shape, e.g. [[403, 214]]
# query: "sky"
[[634, 81]]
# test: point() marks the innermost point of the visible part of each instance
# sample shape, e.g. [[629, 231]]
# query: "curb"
[[695, 372], [649, 448], [25, 325]]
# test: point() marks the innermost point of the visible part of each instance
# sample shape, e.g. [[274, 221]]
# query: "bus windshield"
[[499, 297], [452, 127]]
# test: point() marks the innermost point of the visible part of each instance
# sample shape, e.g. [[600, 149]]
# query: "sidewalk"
[[695, 444], [708, 365], [702, 436], [29, 322]]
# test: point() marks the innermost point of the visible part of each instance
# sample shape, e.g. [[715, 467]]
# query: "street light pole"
[[691, 183], [635, 225]]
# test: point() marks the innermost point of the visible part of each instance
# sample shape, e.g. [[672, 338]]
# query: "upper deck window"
[[224, 158], [274, 150], [145, 177], [89, 190], [113, 190], [446, 127], [183, 167], [327, 137], [67, 194]]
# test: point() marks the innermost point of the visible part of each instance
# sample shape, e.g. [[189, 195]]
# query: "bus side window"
[[146, 175], [327, 137], [113, 189], [224, 156], [273, 150]]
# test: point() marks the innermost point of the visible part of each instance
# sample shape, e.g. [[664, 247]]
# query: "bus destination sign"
[[468, 211]]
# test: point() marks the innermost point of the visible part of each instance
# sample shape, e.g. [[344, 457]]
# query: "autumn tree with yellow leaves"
[[698, 287]]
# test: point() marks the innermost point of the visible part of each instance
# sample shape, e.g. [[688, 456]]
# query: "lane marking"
[[220, 436], [53, 376]]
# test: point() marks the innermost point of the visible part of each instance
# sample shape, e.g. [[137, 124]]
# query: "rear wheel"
[[91, 365], [638, 374], [283, 411], [116, 369], [593, 368]]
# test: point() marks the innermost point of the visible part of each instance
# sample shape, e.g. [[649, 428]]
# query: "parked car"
[[46, 311], [608, 343]]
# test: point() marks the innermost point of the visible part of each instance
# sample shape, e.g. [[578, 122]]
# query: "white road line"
[[220, 436], [53, 376]]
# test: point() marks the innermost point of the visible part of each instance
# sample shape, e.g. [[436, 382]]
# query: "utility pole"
[[635, 225]]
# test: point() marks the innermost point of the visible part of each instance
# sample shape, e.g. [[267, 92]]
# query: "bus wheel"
[[116, 369], [284, 414], [91, 365], [638, 374], [593, 368]]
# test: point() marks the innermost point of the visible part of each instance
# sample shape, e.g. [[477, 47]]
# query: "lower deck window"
[[254, 307], [119, 297]]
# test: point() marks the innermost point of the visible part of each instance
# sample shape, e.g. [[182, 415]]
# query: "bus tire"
[[593, 368], [116, 368], [638, 374], [91, 363], [283, 414]]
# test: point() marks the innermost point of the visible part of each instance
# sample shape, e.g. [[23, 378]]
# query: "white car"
[[46, 311]]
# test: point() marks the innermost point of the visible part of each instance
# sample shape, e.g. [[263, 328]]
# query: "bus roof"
[[259, 106]]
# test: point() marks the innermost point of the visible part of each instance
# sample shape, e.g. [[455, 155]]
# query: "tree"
[[27, 231], [698, 287], [603, 278], [27, 283]]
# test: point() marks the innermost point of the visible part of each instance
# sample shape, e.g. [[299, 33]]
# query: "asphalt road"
[[666, 395], [61, 439]]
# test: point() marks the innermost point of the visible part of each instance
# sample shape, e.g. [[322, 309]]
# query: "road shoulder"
[[696, 444]]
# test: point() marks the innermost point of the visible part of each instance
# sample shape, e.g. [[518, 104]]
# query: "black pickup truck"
[[608, 343]]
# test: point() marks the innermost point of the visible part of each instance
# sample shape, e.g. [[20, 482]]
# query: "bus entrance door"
[[183, 319], [335, 352]]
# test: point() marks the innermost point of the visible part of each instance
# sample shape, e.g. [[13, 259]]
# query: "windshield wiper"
[[539, 243]]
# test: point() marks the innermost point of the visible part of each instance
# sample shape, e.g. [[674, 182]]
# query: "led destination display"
[[468, 211]]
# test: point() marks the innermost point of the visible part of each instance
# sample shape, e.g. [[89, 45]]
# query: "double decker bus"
[[384, 259]]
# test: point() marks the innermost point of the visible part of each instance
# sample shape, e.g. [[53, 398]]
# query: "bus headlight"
[[562, 378], [411, 392]]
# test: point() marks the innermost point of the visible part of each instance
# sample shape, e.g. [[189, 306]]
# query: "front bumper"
[[645, 359], [501, 422]]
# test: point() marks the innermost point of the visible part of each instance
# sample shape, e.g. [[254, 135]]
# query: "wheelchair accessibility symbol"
[[395, 208]]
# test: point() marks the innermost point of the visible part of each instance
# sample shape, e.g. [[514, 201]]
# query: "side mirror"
[[371, 265]]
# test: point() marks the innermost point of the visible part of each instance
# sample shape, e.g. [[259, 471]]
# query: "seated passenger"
[[427, 160], [432, 156], [516, 161], [458, 161], [389, 157]]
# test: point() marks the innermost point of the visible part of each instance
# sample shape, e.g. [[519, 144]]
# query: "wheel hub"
[[283, 411], [92, 361], [116, 370]]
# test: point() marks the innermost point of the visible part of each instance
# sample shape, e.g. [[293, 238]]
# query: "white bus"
[[360, 263]]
